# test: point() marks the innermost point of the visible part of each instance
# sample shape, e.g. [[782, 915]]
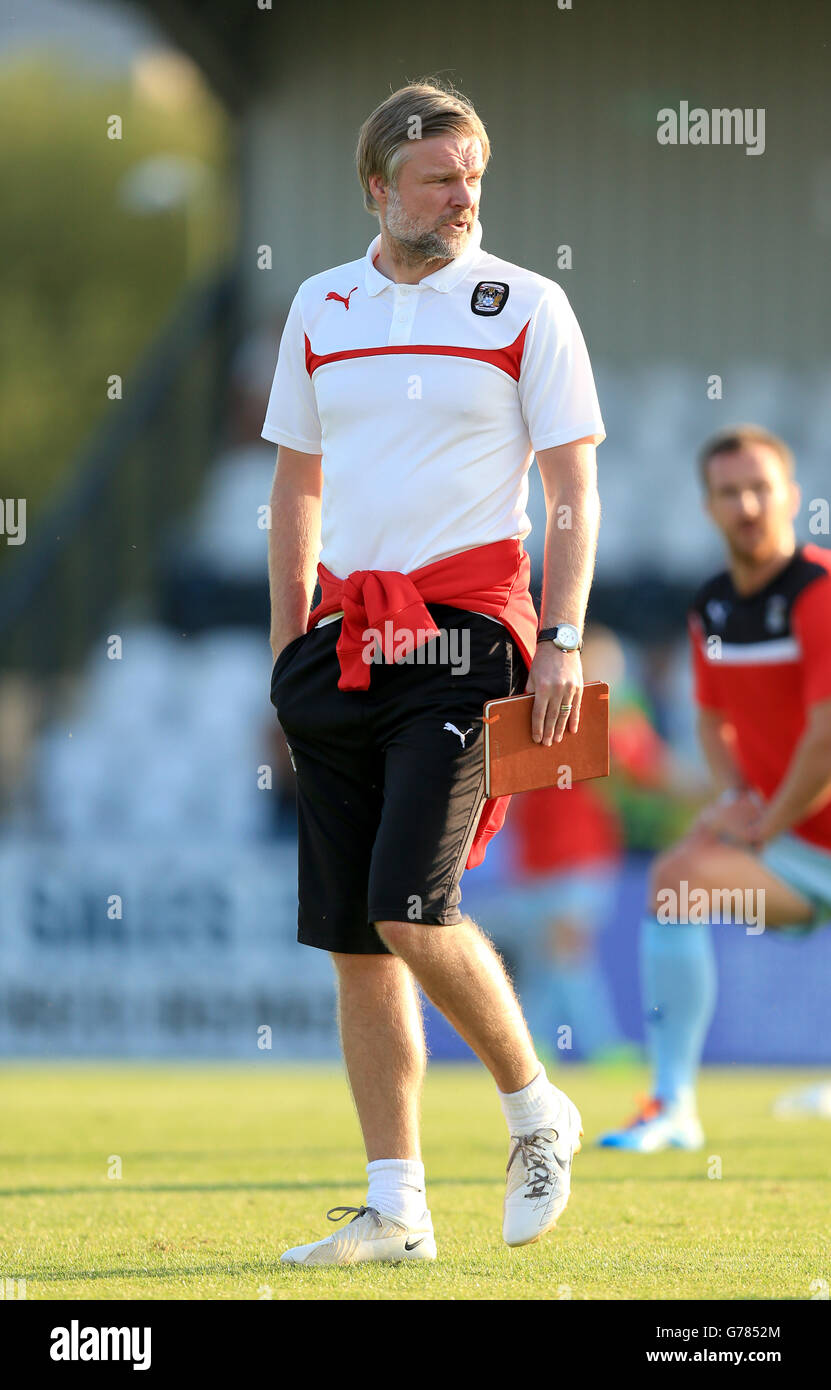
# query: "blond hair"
[[416, 111]]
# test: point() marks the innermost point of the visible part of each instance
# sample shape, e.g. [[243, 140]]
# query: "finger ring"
[[564, 708]]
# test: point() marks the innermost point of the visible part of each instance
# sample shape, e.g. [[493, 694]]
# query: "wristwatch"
[[564, 635]]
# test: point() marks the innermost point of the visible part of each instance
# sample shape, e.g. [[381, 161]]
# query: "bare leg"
[[705, 862], [379, 1014], [459, 970]]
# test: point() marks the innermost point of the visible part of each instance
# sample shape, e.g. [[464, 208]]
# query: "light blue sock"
[[678, 977], [542, 1005], [587, 1006], [575, 994]]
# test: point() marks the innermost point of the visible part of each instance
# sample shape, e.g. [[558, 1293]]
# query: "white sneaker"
[[657, 1127], [539, 1177], [813, 1100], [368, 1236]]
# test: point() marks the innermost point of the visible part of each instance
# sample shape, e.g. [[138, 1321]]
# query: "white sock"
[[536, 1106], [397, 1189]]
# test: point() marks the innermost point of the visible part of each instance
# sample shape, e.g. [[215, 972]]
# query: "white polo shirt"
[[427, 403]]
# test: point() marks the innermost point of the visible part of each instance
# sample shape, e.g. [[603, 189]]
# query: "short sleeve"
[[291, 417], [556, 387], [811, 621], [704, 678]]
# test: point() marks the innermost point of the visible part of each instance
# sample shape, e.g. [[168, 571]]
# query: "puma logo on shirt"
[[333, 294]]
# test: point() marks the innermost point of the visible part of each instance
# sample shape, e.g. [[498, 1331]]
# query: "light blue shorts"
[[807, 869]]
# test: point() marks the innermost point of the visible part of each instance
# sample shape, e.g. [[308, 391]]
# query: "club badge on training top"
[[489, 297]]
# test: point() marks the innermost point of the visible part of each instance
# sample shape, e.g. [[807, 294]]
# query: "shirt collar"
[[443, 280]]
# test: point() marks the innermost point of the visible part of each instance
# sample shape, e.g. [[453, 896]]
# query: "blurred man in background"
[[567, 848], [761, 653]]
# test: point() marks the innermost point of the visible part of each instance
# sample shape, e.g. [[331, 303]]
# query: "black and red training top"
[[763, 660]]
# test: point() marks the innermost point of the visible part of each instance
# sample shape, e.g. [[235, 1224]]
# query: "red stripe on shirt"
[[507, 359]]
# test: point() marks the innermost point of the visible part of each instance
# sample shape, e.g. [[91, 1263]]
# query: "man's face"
[[752, 501], [433, 208]]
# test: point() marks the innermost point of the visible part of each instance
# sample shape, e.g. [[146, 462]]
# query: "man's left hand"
[[556, 680]]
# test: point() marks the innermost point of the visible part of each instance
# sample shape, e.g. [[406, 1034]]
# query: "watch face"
[[568, 637]]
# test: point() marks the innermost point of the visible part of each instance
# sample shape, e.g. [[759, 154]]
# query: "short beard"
[[759, 556], [413, 246]]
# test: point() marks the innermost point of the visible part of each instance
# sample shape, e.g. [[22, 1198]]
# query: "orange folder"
[[515, 763]]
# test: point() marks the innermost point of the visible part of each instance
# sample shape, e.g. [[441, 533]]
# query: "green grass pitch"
[[224, 1167]]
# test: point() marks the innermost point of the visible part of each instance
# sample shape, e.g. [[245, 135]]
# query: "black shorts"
[[390, 783]]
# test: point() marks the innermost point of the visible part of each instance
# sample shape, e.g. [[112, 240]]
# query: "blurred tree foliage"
[[85, 281]]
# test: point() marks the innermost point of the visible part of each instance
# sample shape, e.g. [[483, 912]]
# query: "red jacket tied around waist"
[[492, 579]]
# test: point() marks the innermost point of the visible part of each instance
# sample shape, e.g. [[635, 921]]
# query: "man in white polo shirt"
[[412, 389]]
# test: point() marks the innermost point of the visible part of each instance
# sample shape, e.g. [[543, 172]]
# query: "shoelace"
[[359, 1211], [528, 1145]]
